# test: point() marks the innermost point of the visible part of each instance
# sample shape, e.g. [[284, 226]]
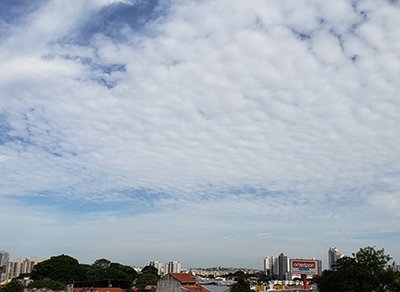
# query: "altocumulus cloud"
[[234, 128]]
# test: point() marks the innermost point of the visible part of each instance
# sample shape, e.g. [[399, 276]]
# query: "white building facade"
[[173, 267], [270, 265], [333, 255], [17, 267]]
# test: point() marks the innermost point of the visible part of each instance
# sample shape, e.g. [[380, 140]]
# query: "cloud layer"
[[233, 129]]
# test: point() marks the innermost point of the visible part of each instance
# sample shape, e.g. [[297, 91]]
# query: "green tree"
[[13, 286], [239, 274], [66, 269], [364, 271], [242, 285], [102, 264], [121, 275], [60, 268], [148, 276], [23, 275], [47, 283], [375, 260], [103, 272], [95, 277]]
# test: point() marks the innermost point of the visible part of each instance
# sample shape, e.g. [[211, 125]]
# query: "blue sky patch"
[[111, 19]]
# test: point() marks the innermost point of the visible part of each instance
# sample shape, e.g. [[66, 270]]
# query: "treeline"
[[366, 270], [59, 271]]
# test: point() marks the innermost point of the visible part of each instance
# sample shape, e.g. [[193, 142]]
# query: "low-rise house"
[[179, 282]]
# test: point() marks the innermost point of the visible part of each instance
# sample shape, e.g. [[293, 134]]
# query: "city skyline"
[[209, 132], [268, 263]]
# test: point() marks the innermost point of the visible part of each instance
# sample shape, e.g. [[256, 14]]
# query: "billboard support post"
[[305, 282]]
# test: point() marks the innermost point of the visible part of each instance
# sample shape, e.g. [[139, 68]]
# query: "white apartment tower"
[[270, 265], [17, 267], [333, 255], [13, 269], [173, 267], [28, 264]]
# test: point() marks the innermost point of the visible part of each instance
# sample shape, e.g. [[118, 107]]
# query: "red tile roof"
[[195, 288], [183, 277], [107, 289], [188, 282]]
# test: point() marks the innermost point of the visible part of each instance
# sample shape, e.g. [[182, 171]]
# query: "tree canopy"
[[242, 285], [104, 272], [65, 270], [365, 270], [47, 283], [102, 264], [60, 268], [148, 276]]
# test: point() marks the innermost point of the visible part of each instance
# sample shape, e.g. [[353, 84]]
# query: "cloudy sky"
[[209, 132]]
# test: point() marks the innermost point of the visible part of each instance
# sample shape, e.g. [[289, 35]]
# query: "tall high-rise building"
[[269, 264], [173, 267], [283, 267], [28, 264], [4, 258], [333, 255], [13, 269]]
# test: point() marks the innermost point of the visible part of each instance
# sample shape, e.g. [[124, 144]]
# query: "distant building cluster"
[[12, 269], [277, 267], [284, 269], [164, 269]]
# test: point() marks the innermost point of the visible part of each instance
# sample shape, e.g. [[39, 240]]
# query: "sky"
[[210, 132]]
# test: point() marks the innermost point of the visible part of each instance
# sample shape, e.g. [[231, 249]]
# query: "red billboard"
[[305, 266]]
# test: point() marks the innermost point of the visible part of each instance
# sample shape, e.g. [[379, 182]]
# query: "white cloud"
[[387, 202], [298, 102]]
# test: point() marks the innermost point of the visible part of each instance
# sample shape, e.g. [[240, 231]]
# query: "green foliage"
[[375, 260], [60, 268], [148, 276], [101, 264], [263, 278], [13, 286], [239, 274], [47, 283], [103, 272], [65, 269], [149, 270], [242, 285], [23, 275], [364, 271], [123, 275]]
